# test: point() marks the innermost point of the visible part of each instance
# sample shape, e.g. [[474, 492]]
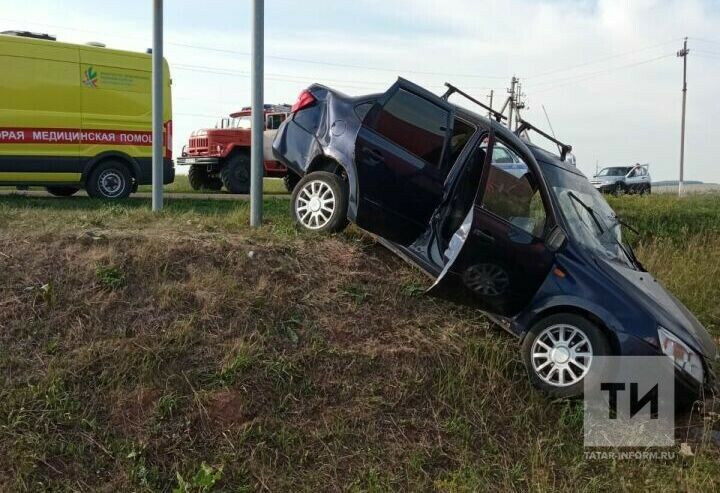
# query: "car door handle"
[[484, 235]]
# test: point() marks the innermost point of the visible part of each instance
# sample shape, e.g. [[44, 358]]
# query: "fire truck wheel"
[[236, 174], [200, 179], [290, 180]]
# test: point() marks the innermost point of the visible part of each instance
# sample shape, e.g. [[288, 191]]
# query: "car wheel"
[[110, 180], [236, 173], [200, 179], [619, 189], [59, 191], [559, 351], [290, 180], [319, 202]]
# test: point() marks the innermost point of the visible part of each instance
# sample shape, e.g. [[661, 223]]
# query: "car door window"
[[461, 135], [513, 194], [415, 124]]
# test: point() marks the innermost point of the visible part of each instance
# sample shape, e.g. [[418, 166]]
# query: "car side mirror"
[[555, 239]]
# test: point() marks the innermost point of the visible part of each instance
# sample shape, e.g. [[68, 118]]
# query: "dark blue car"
[[498, 223]]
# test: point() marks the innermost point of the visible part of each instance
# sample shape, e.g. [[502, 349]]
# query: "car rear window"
[[415, 124]]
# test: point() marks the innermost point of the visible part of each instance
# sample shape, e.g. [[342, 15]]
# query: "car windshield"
[[617, 171], [590, 220]]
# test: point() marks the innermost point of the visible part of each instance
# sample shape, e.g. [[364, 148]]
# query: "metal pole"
[[492, 93], [258, 114], [512, 103], [157, 106], [683, 53]]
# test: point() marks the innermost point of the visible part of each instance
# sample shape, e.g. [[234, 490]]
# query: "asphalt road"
[[148, 195]]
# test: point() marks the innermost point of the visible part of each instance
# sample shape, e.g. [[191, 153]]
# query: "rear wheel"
[[109, 180], [59, 191], [559, 351], [200, 179], [319, 203], [236, 173]]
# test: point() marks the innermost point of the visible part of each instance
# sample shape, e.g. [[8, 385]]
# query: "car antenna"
[[552, 130], [452, 90]]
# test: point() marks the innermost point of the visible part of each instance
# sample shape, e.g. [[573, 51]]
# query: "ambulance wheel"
[[109, 180], [236, 173], [200, 179], [62, 191]]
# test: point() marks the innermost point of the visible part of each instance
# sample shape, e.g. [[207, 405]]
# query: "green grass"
[[271, 186], [185, 351]]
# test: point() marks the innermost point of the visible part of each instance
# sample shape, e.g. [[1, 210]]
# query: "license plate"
[[189, 161]]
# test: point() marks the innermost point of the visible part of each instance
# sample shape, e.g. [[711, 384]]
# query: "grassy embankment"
[[143, 352]]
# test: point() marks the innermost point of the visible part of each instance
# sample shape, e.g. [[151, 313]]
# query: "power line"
[[276, 57], [582, 78], [600, 60], [702, 40]]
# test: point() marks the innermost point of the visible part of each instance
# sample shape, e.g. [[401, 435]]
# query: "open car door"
[[403, 154], [497, 259]]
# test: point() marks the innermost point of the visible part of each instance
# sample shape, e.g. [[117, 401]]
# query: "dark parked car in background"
[[528, 240]]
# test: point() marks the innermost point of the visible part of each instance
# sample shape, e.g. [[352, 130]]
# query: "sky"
[[605, 71]]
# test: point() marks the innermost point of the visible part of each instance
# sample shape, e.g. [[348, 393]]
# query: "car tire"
[[109, 180], [560, 373], [290, 180], [319, 203], [619, 190], [236, 173], [200, 179], [60, 191]]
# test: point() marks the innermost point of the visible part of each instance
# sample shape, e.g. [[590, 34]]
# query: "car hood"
[[668, 310]]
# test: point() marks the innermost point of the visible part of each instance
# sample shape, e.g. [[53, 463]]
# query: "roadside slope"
[[134, 348]]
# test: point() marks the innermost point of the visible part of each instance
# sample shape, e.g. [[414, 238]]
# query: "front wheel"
[[236, 173], [559, 351], [109, 180], [200, 179], [60, 191], [319, 203]]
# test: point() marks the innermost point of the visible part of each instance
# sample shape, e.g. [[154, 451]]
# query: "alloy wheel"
[[315, 204], [561, 355]]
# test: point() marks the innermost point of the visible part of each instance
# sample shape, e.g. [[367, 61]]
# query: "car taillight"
[[304, 100]]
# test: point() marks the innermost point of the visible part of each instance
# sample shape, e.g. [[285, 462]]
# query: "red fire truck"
[[220, 157]]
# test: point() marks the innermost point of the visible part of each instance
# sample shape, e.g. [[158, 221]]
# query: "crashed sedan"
[[499, 224]]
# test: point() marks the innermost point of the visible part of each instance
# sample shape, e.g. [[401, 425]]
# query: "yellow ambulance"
[[77, 116]]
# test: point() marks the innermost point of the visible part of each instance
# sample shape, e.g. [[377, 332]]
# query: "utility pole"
[[511, 101], [683, 53], [519, 103], [157, 107], [258, 113], [490, 97]]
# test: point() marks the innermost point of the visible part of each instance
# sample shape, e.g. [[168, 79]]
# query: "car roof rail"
[[452, 90], [523, 126]]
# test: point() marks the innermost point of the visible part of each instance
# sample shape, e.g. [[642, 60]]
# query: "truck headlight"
[[685, 358]]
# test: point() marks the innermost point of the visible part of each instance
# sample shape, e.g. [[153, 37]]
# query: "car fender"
[[612, 327], [121, 156]]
